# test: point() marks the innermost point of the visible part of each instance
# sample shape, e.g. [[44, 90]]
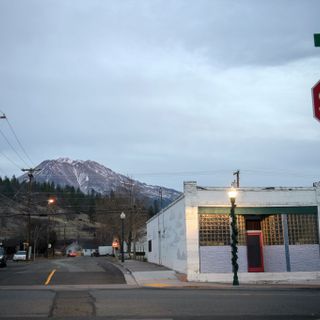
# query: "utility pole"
[[237, 173], [30, 176], [160, 193]]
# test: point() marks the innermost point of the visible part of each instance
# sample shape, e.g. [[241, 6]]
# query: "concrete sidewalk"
[[145, 274]]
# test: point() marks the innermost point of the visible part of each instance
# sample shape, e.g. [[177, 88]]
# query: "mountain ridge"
[[88, 175]]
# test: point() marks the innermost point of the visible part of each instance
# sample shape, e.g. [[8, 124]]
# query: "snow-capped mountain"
[[90, 175]]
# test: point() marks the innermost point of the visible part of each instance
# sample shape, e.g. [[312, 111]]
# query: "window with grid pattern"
[[302, 229], [272, 230], [215, 229], [241, 225]]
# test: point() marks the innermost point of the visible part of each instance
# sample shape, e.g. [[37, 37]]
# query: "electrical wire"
[[19, 143], [10, 160], [176, 173], [22, 206], [21, 155], [12, 147], [280, 172], [205, 173]]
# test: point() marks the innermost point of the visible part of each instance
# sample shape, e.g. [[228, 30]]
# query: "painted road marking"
[[50, 276], [157, 285]]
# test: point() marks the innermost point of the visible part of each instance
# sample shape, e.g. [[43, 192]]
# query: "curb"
[[185, 284], [130, 279]]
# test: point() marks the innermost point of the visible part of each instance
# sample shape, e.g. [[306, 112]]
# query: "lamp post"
[[122, 217], [51, 201], [234, 236]]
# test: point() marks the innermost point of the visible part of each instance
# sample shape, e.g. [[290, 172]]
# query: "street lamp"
[[122, 217], [50, 201], [234, 236]]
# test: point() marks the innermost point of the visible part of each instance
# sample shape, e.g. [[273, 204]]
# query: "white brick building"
[[278, 234]]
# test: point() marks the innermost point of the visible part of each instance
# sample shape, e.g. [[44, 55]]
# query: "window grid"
[[302, 229], [272, 230], [241, 225], [215, 230]]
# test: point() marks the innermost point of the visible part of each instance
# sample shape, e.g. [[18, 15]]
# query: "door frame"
[[256, 233]]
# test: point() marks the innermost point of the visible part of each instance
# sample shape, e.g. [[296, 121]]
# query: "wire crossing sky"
[[153, 87]]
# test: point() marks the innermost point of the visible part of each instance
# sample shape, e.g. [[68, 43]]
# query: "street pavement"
[[155, 303], [145, 274], [69, 272], [86, 288]]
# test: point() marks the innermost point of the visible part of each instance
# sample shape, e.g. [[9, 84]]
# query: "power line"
[[12, 147], [22, 206], [205, 173], [175, 173], [3, 116], [280, 172], [19, 143], [10, 160]]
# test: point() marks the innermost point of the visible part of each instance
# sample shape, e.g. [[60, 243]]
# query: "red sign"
[[316, 100], [115, 244]]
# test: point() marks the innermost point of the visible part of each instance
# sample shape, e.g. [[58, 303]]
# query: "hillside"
[[91, 176]]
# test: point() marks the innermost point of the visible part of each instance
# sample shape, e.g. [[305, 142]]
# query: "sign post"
[[316, 100]]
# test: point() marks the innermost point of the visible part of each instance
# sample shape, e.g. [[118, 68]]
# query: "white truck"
[[105, 250]]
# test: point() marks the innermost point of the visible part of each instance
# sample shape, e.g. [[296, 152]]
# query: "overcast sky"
[[164, 91]]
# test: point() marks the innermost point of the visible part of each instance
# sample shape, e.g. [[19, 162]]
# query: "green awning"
[[260, 210]]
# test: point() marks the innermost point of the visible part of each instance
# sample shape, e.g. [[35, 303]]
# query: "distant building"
[[278, 234]]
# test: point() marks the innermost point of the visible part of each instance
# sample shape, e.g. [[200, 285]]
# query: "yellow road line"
[[157, 285], [50, 276]]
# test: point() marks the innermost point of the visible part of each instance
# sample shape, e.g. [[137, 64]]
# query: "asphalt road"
[[64, 271], [161, 304], [23, 294]]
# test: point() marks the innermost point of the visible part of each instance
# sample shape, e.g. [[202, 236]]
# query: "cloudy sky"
[[164, 91]]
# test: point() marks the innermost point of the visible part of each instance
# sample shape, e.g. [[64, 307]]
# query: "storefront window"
[[272, 230], [215, 230], [302, 229]]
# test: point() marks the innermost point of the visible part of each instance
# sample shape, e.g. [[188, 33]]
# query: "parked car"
[[95, 253], [3, 258], [20, 256]]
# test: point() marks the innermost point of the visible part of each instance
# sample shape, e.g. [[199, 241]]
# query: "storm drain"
[[73, 303]]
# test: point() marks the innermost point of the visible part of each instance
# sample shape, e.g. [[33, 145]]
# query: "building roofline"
[[203, 188], [182, 196]]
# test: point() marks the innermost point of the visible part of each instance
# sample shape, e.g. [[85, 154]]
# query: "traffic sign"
[[115, 244], [316, 100]]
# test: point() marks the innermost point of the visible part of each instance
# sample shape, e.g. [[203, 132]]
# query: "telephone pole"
[[30, 172], [160, 193], [237, 173]]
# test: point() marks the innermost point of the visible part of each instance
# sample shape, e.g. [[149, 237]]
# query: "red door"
[[255, 251]]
